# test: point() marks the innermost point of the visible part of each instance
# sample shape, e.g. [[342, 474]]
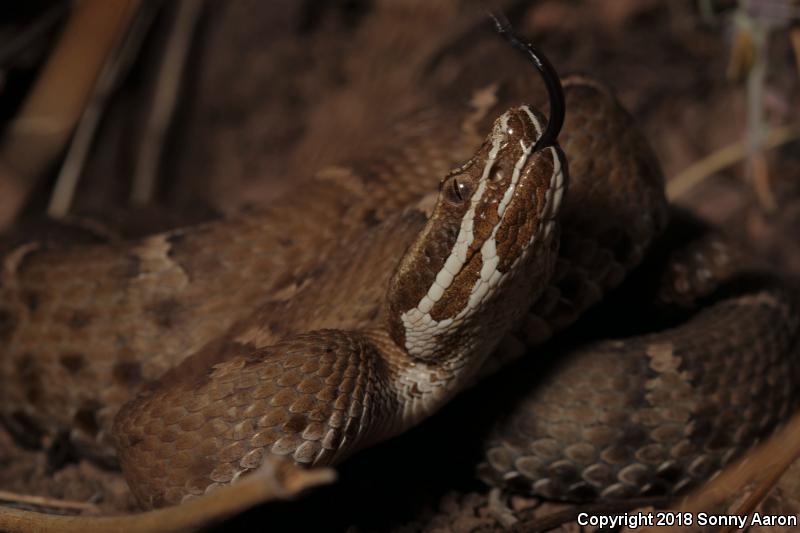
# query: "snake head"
[[472, 271]]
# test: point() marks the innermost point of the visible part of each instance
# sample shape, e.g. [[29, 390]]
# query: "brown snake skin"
[[707, 389], [275, 328]]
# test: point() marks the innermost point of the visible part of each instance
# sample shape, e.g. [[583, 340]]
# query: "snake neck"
[[484, 255], [419, 388]]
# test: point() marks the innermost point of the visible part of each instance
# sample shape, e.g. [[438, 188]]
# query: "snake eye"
[[456, 191]]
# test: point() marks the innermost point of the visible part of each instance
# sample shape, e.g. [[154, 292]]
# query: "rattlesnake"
[[358, 305]]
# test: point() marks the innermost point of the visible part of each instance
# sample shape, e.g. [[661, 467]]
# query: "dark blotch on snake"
[[8, 324], [73, 362], [28, 373], [24, 429], [371, 218], [166, 313], [78, 320], [286, 242], [86, 418], [31, 299], [132, 266], [127, 373]]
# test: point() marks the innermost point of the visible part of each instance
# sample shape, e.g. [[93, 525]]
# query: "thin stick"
[[725, 157], [41, 501], [45, 121], [170, 73], [756, 126], [761, 181], [764, 465], [553, 520], [794, 34], [755, 497], [115, 67], [270, 482]]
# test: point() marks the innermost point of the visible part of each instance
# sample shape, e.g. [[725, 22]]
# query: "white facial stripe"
[[526, 152], [555, 192], [490, 276], [455, 261], [422, 331]]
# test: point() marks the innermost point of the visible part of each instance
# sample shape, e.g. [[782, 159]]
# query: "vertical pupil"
[[457, 189]]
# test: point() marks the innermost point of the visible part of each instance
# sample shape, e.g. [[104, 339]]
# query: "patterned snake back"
[[713, 374], [353, 309]]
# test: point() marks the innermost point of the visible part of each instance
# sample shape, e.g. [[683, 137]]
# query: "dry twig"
[[164, 101], [115, 67], [725, 157], [39, 132], [794, 35], [756, 123], [41, 501], [273, 481], [758, 471]]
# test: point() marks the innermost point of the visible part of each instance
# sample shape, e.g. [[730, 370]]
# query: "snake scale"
[[354, 308]]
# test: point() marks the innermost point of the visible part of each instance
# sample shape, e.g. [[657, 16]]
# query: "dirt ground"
[[274, 91]]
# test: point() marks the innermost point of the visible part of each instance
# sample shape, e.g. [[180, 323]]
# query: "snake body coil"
[[348, 313]]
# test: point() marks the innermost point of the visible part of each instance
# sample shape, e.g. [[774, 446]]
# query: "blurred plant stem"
[[754, 21], [275, 479], [164, 103], [723, 158], [115, 68], [45, 121], [794, 35], [758, 33]]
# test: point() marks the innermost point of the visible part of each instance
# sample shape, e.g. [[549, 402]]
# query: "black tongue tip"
[[549, 75]]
